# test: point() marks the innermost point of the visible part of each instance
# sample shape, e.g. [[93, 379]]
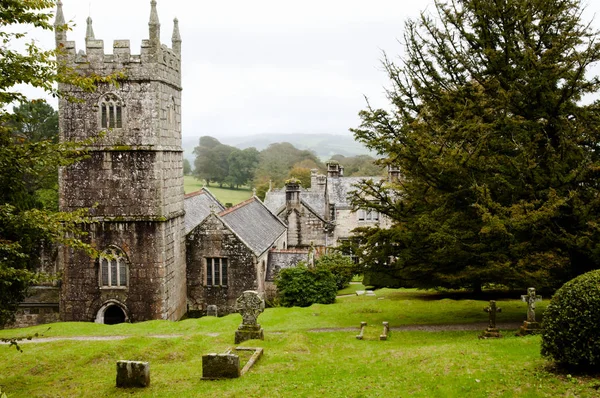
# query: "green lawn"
[[300, 362], [233, 196]]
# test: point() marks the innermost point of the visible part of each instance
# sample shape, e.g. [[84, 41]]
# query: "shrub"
[[302, 286], [571, 324], [340, 266]]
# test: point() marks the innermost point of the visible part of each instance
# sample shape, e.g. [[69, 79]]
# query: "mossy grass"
[[225, 195], [298, 360]]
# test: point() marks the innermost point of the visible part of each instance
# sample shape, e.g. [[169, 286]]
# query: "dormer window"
[[111, 112]]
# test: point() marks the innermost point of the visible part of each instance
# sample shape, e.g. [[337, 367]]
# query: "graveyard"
[[433, 349]]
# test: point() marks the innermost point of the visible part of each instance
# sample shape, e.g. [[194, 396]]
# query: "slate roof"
[[197, 207], [254, 223], [339, 188], [275, 201], [280, 259]]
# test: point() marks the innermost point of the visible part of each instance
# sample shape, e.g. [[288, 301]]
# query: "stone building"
[[132, 180], [227, 253], [322, 215]]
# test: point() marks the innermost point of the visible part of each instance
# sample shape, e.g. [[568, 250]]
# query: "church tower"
[[132, 180]]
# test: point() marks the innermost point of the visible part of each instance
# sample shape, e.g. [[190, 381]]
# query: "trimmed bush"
[[302, 286], [571, 324], [340, 266]]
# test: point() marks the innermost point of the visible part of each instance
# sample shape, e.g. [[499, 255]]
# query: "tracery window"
[[111, 111], [114, 269]]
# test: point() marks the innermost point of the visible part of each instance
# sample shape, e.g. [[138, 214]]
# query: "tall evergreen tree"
[[497, 148]]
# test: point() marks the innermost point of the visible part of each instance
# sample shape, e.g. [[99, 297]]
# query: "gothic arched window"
[[111, 111], [114, 268]]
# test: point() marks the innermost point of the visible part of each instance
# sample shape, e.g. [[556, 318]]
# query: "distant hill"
[[324, 145]]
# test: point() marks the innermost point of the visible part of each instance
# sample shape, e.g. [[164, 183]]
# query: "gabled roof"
[[275, 199], [198, 206], [254, 223], [339, 188]]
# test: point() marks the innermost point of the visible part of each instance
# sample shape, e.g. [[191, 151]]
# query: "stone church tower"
[[132, 180]]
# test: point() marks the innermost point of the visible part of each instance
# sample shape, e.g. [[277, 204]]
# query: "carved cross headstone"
[[530, 298], [250, 305], [492, 310]]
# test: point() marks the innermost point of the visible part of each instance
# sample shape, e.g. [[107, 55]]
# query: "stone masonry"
[[133, 178]]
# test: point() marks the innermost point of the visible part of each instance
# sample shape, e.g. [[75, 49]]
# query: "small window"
[[111, 112], [113, 268], [171, 114], [368, 215], [216, 272]]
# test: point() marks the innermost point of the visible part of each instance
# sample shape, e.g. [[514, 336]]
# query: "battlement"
[[154, 58]]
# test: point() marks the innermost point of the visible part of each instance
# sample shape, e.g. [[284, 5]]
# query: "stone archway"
[[112, 313]]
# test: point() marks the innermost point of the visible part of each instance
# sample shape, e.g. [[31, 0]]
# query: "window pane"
[[217, 270], [113, 272], [122, 273], [209, 272], [104, 116], [224, 271], [119, 117], [104, 271], [111, 116]]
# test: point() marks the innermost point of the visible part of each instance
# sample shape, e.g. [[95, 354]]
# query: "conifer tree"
[[497, 140]]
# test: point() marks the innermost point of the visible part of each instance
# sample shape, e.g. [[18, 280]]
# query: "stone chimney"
[[292, 194], [313, 178], [333, 169], [393, 173]]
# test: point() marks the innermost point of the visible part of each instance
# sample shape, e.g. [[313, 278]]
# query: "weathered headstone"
[[369, 293], [491, 331], [133, 374], [220, 366], [361, 334], [211, 310], [250, 305], [530, 326], [386, 331]]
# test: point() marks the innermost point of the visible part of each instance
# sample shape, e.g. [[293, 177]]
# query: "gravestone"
[[250, 305], [386, 331], [361, 334], [220, 366], [530, 326], [133, 374], [211, 310], [491, 331]]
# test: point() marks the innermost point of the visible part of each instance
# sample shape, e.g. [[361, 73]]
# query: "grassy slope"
[[298, 362], [233, 196]]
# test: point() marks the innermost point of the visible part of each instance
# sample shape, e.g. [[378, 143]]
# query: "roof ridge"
[[239, 205], [201, 191]]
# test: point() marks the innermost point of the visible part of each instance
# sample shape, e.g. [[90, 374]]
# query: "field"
[[309, 352], [225, 195]]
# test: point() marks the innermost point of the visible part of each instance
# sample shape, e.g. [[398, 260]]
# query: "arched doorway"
[[112, 312], [113, 315]]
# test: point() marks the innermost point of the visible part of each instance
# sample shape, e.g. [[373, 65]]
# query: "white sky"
[[265, 66]]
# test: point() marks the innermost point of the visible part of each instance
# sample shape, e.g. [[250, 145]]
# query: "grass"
[[299, 362], [225, 195]]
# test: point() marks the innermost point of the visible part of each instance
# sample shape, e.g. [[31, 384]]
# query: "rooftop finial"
[[60, 17], [89, 34], [60, 33], [154, 24], [176, 38]]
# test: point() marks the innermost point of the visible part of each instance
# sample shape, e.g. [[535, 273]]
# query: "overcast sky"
[[266, 66]]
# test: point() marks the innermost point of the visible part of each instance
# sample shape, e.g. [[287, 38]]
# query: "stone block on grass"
[[220, 366], [133, 374]]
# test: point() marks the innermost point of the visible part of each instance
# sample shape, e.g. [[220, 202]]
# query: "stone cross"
[[530, 298], [250, 305], [492, 310]]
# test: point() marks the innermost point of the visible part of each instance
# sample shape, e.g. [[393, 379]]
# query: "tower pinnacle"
[[60, 34], [89, 34], [176, 38], [154, 25]]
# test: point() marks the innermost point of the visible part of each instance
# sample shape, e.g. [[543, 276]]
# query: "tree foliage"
[[498, 151], [28, 155]]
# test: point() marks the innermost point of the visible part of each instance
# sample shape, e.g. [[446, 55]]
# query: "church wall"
[[304, 228], [213, 239]]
